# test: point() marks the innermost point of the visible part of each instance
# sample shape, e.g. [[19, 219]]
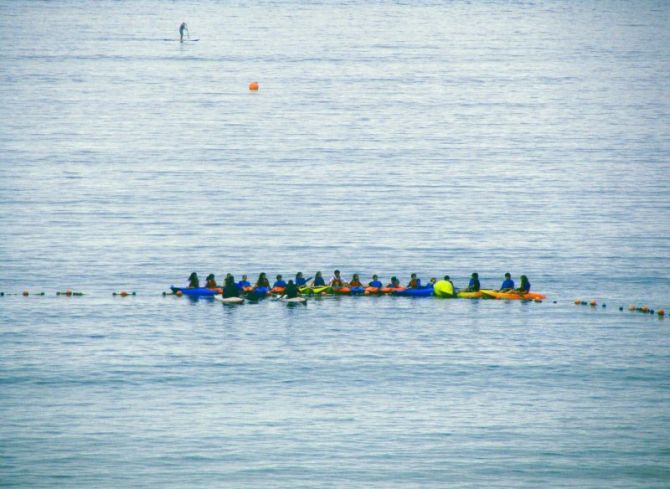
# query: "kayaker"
[[336, 280], [263, 280], [300, 280], [395, 283], [183, 28], [279, 282], [318, 280], [524, 288], [433, 280], [230, 288], [243, 283], [473, 286], [291, 291], [211, 281], [193, 281], [508, 283], [414, 282], [375, 282], [447, 279], [355, 281]]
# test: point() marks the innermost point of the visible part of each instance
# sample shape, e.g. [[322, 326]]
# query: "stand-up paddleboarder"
[[183, 28]]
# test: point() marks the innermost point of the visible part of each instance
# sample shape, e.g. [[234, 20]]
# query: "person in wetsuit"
[[230, 289], [183, 28], [291, 291]]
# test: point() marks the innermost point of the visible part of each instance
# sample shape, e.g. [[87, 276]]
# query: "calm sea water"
[[387, 137]]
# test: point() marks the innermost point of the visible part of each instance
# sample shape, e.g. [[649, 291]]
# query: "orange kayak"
[[389, 290], [512, 296]]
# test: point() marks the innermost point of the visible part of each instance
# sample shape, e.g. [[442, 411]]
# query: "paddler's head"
[[318, 274], [298, 275], [508, 275], [446, 277], [337, 273], [278, 277], [375, 277]]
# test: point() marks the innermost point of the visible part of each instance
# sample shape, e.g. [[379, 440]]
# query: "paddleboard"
[[294, 300], [229, 300]]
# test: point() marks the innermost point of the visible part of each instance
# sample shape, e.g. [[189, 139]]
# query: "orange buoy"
[[644, 309], [123, 293], [593, 303], [179, 293], [632, 307], [253, 86], [578, 301], [660, 312]]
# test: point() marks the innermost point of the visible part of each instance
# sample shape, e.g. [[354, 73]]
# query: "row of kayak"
[[441, 288]]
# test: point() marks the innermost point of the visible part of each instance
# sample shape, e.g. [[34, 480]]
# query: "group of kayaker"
[[291, 288]]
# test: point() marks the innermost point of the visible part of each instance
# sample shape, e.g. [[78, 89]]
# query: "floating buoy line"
[[593, 303]]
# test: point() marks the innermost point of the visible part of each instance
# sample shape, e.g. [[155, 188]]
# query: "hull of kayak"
[[512, 296], [318, 290], [390, 290], [277, 290], [422, 292], [357, 290], [195, 292], [229, 300], [258, 293], [469, 295]]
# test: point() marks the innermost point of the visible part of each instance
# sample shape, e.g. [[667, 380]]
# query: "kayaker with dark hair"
[[508, 283], [318, 280], [524, 288], [244, 283], [414, 282], [355, 281], [279, 282], [300, 279], [376, 282], [193, 281], [211, 281], [291, 291], [336, 281], [473, 286], [230, 288], [263, 280], [395, 283], [447, 279]]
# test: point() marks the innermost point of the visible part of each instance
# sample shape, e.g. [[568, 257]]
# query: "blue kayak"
[[422, 292], [194, 292], [357, 290]]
